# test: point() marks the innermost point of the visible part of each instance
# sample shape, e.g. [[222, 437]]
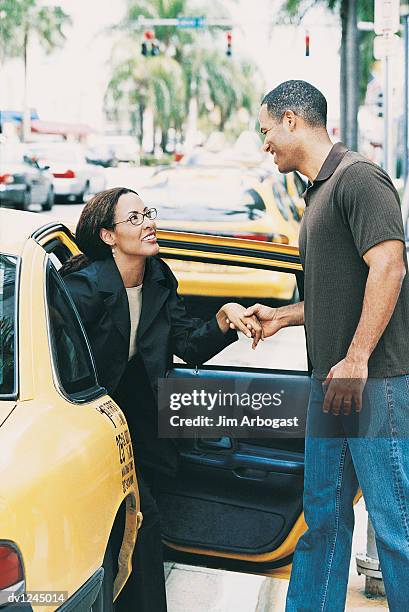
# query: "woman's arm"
[[194, 340], [82, 288]]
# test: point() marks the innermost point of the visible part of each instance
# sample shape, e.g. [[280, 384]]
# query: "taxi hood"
[[6, 408]]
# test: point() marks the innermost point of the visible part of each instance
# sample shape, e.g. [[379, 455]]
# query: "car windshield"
[[203, 198], [8, 274], [59, 154]]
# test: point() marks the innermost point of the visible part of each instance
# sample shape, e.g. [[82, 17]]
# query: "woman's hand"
[[232, 316]]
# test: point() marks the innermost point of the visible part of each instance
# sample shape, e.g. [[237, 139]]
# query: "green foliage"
[[149, 159], [21, 18], [185, 68]]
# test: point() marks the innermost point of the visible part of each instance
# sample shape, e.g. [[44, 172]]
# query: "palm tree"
[[183, 70], [354, 45], [20, 21], [139, 83], [228, 85]]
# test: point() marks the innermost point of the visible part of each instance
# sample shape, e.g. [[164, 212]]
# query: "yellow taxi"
[[68, 478], [67, 471], [230, 201]]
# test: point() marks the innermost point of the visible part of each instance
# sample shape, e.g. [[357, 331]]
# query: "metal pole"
[[352, 81], [387, 119], [385, 112], [405, 98], [368, 565]]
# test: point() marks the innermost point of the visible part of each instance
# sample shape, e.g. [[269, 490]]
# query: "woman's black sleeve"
[[82, 289], [194, 340]]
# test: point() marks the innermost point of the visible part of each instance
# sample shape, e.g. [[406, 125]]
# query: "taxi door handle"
[[250, 473], [222, 443]]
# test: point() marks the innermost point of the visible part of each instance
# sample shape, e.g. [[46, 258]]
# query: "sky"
[[69, 84]]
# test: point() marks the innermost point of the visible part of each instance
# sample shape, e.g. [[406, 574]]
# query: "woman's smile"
[[151, 237]]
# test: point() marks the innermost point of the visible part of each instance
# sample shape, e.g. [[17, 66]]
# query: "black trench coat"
[[165, 329]]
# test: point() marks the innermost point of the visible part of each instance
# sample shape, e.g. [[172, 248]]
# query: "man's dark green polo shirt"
[[351, 206]]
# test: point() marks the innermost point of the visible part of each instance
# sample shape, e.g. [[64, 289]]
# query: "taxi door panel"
[[238, 498]]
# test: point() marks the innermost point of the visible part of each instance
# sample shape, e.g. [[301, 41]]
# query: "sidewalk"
[[197, 589]]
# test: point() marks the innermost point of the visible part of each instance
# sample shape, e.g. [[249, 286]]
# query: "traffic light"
[[307, 44], [149, 37], [379, 104], [229, 37]]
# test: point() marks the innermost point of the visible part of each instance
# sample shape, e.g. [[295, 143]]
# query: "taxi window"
[[8, 332], [206, 286], [70, 349]]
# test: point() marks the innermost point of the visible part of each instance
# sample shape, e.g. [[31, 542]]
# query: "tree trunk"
[[153, 135], [26, 108], [222, 121], [141, 110], [352, 76], [164, 139]]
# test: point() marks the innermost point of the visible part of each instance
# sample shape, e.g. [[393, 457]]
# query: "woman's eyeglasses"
[[136, 218]]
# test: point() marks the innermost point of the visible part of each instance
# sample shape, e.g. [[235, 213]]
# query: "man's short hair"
[[302, 98]]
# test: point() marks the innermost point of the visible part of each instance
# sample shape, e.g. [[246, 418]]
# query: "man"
[[356, 317]]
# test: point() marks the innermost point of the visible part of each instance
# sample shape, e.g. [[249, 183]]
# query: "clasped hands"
[[255, 322], [343, 387]]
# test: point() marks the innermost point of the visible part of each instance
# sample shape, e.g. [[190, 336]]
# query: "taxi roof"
[[16, 227]]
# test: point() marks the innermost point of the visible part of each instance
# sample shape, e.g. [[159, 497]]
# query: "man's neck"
[[316, 152]]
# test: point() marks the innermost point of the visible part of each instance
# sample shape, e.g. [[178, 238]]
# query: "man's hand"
[[233, 316], [268, 318], [346, 381]]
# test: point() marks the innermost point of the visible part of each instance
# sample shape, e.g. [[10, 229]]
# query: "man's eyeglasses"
[[136, 218]]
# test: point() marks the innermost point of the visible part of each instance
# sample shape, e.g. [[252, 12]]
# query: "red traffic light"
[[149, 35], [307, 44], [229, 37]]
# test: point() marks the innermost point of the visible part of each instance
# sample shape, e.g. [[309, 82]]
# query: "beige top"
[[135, 305]]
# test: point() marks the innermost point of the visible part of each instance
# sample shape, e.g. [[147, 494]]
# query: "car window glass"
[[8, 365], [206, 287], [71, 354], [59, 253]]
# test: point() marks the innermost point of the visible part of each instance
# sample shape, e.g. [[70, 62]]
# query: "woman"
[[135, 321]]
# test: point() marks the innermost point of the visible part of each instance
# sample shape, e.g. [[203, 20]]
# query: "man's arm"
[[386, 273], [383, 285], [274, 319]]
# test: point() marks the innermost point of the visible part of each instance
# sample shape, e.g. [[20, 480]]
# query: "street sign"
[[387, 16], [384, 46], [191, 22]]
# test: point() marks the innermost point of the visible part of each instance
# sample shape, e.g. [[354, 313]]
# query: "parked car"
[[74, 178], [23, 181], [102, 155], [109, 151], [226, 201], [67, 470]]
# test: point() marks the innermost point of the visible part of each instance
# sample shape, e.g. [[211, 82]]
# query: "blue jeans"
[[334, 467]]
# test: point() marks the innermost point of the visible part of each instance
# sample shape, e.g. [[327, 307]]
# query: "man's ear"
[[290, 120], [107, 236]]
